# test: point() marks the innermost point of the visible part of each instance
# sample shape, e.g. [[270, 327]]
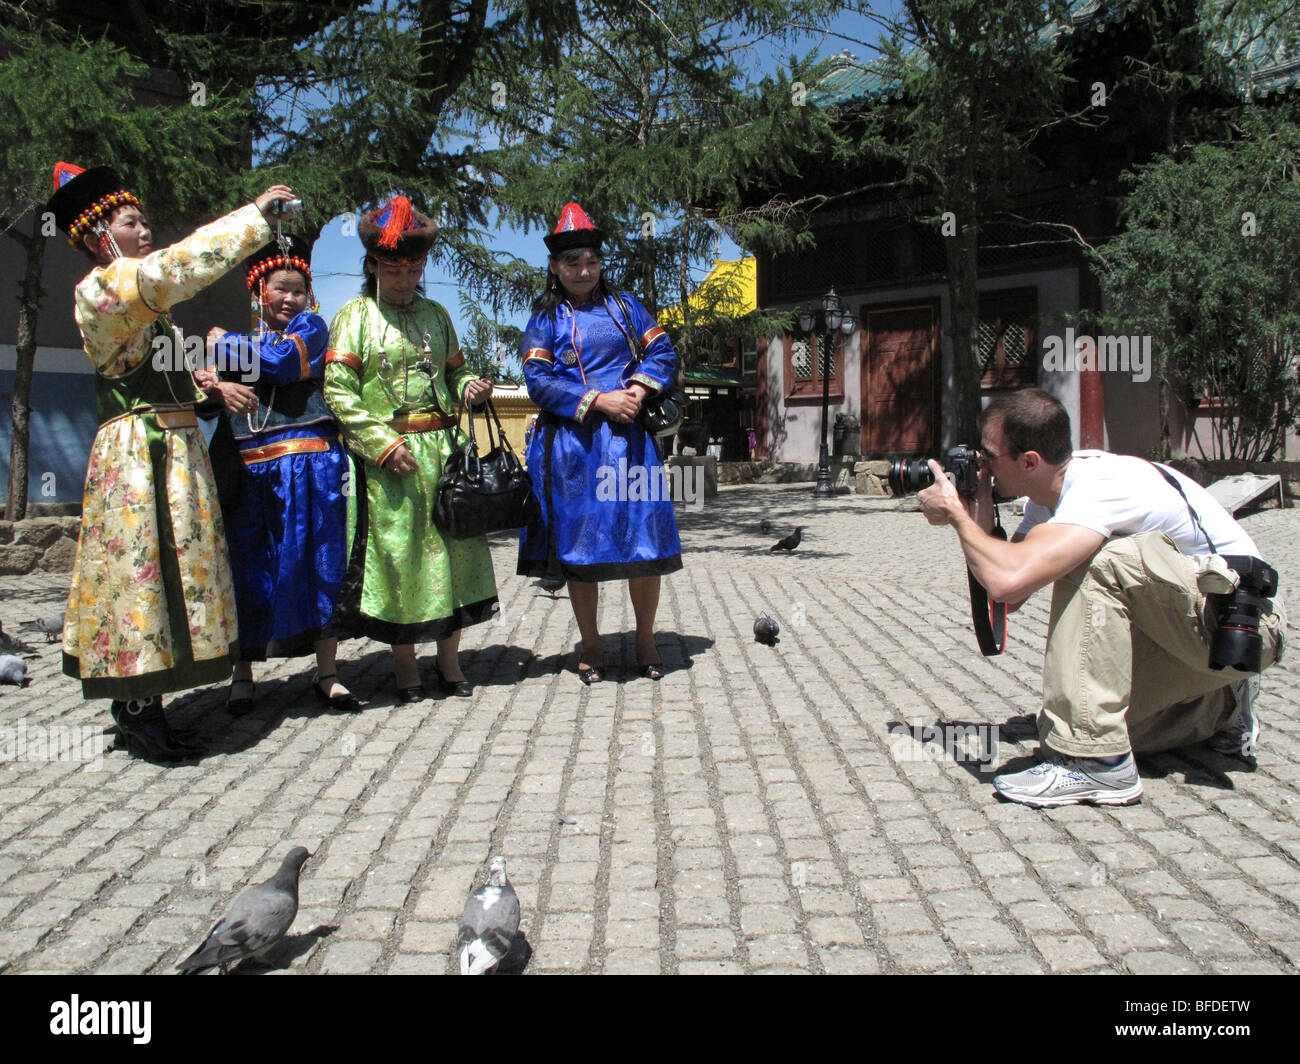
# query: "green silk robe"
[[406, 582]]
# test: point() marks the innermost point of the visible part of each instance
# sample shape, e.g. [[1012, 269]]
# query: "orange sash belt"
[[421, 422], [307, 445]]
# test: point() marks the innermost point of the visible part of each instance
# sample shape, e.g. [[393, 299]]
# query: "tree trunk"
[[1165, 446], [963, 292], [29, 307]]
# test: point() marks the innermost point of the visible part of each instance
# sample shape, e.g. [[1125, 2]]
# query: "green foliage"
[[971, 86], [977, 82], [61, 98], [491, 349], [368, 106], [646, 118], [1209, 265]]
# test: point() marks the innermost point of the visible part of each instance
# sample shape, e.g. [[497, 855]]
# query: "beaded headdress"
[[283, 253], [84, 200]]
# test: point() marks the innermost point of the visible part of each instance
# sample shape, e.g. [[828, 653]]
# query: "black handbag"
[[661, 413], [489, 494]]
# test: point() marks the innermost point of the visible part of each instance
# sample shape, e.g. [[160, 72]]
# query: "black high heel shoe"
[[241, 707], [347, 701], [461, 688], [407, 696]]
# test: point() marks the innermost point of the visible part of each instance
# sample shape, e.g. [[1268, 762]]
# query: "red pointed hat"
[[83, 197], [574, 230], [397, 232]]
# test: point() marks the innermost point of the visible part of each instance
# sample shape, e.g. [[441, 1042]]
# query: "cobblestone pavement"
[[754, 811]]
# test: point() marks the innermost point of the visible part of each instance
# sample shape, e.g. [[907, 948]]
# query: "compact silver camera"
[[287, 209]]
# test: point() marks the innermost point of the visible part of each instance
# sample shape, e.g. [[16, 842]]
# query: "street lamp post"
[[834, 319]]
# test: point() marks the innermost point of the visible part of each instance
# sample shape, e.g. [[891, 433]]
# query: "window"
[[1008, 338], [802, 372]]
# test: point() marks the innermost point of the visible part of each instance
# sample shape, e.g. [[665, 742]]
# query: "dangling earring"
[[261, 305], [107, 242]]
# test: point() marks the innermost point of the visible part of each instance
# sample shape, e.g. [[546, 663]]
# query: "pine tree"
[[648, 118], [61, 98], [974, 83]]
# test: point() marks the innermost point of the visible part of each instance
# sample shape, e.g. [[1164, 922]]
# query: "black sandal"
[[653, 671], [591, 674], [348, 702], [241, 707]]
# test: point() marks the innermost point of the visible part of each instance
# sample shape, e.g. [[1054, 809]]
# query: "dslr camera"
[[1235, 642], [961, 463]]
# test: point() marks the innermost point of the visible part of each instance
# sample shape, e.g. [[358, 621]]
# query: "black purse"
[[489, 494], [661, 413]]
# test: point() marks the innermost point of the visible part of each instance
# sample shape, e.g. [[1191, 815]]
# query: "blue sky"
[[336, 258]]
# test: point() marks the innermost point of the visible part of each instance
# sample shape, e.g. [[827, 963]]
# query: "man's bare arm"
[[1013, 570]]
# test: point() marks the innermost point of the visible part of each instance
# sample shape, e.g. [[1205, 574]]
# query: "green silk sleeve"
[[458, 372], [347, 367]]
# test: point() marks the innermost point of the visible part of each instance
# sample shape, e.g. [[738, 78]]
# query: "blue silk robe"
[[607, 511]]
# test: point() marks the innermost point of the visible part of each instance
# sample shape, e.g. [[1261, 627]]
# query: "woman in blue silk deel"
[[607, 511], [286, 525]]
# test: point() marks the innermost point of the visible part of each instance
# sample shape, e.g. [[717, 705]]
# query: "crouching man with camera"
[[1163, 612]]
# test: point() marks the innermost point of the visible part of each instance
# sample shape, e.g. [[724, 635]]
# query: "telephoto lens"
[[961, 463], [1236, 643], [907, 475]]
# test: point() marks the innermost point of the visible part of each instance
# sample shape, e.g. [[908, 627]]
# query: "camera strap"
[[1196, 518], [988, 618]]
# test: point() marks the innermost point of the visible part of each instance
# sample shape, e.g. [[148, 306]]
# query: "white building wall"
[[794, 427]]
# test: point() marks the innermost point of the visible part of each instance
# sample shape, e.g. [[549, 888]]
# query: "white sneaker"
[[1240, 736], [1061, 780]]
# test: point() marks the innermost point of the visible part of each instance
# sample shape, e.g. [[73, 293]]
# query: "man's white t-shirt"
[[1119, 495]]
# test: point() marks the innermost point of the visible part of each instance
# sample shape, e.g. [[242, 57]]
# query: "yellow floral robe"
[[151, 608]]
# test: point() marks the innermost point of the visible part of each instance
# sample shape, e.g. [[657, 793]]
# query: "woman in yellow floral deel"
[[151, 608]]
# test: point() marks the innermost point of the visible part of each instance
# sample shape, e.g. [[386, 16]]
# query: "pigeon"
[[551, 586], [10, 645], [765, 526], [256, 922], [51, 626], [13, 670], [765, 631], [489, 923], [791, 541]]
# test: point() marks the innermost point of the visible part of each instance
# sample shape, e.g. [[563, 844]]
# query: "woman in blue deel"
[[287, 526], [607, 511]]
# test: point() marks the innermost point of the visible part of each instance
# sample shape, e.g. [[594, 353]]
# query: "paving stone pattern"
[[753, 812]]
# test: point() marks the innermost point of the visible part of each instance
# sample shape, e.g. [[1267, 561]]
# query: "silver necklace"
[[387, 372]]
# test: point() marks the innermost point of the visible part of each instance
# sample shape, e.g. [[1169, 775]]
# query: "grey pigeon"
[[13, 670], [51, 626], [10, 645], [765, 526], [489, 923], [790, 542], [257, 920], [766, 630], [551, 586]]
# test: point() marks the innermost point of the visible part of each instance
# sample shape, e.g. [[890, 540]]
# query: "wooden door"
[[900, 380]]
